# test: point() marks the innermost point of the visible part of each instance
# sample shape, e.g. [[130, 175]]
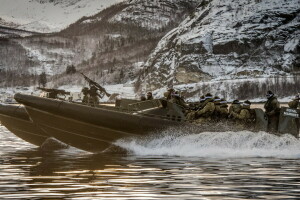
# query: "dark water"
[[203, 166]]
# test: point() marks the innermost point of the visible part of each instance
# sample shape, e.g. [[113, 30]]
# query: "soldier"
[[272, 108], [192, 113], [94, 100], [176, 98], [149, 96], [235, 107], [168, 94], [143, 98], [216, 114], [201, 101], [245, 114], [295, 102], [223, 108], [85, 92], [208, 109]]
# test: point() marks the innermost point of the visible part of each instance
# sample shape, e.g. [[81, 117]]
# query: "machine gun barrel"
[[93, 83], [57, 91]]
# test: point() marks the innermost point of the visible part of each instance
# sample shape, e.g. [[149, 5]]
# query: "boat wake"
[[243, 144]]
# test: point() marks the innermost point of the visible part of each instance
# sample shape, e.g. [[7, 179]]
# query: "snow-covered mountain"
[[105, 46], [232, 48], [166, 12], [48, 15], [225, 40]]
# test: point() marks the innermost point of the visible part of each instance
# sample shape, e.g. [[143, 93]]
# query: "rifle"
[[55, 92], [99, 87]]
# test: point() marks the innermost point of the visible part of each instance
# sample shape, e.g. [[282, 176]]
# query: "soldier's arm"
[[242, 115], [235, 115], [276, 107], [202, 111]]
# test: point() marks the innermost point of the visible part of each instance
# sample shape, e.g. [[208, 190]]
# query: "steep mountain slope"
[[48, 15], [104, 46], [226, 40]]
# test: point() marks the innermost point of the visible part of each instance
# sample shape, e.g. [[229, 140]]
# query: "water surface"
[[241, 165]]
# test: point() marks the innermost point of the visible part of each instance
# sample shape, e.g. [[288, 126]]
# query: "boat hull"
[[17, 121], [88, 128]]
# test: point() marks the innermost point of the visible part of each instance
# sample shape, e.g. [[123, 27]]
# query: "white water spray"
[[214, 144]]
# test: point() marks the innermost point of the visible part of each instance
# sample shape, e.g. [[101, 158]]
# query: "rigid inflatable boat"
[[94, 129]]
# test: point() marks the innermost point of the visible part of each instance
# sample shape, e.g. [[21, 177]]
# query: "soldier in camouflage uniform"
[[201, 101], [86, 96], [176, 98], [191, 115], [217, 111], [245, 114], [207, 110], [94, 99], [168, 94], [294, 104], [143, 98], [272, 110], [223, 109], [149, 96], [235, 107]]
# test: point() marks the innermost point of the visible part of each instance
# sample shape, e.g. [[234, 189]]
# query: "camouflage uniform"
[[178, 100], [201, 102], [168, 94], [191, 115], [272, 108], [143, 98], [235, 107], [223, 109], [244, 115], [208, 109], [149, 96], [93, 100], [217, 111], [244, 118], [294, 104], [85, 92]]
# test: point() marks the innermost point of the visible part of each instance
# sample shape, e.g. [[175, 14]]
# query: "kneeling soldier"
[[235, 107], [85, 92], [245, 114], [208, 108], [191, 115], [223, 108], [294, 104]]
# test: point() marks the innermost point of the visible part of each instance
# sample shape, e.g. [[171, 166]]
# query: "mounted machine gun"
[[92, 83], [52, 93]]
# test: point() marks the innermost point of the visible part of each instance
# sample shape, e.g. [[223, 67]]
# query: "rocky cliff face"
[[226, 40]]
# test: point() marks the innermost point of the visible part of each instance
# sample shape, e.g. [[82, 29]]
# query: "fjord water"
[[171, 165]]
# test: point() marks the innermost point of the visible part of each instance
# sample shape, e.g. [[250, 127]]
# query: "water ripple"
[[27, 173]]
